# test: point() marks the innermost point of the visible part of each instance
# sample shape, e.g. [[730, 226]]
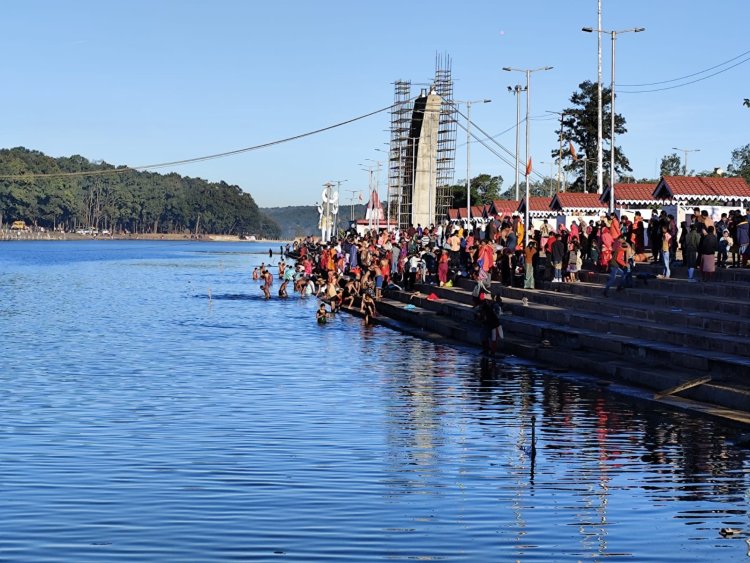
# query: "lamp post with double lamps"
[[613, 34], [685, 152], [528, 72]]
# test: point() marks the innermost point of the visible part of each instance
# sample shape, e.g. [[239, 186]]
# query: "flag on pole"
[[360, 196], [528, 167], [573, 154]]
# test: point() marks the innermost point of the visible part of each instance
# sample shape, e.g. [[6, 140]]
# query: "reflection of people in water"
[[322, 314], [282, 290]]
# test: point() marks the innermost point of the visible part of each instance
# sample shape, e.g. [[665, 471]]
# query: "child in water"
[[322, 314]]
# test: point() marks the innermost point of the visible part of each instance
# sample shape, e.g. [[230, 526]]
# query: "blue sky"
[[138, 82]]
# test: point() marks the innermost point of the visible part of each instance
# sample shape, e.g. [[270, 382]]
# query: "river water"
[[155, 408]]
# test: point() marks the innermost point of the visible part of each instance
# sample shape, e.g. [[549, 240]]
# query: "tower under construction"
[[422, 150]]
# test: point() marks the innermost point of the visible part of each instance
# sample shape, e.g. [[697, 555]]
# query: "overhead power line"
[[687, 75], [123, 169], [685, 83]]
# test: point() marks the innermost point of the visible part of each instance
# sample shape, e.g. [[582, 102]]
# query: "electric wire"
[[123, 169], [507, 151], [684, 83], [686, 76]]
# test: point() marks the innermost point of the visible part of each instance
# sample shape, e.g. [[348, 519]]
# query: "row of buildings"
[[677, 195]]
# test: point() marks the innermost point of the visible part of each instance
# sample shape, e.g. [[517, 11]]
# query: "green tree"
[[740, 165], [671, 165], [485, 188], [579, 126]]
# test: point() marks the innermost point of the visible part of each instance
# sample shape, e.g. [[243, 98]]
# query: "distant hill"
[[73, 192], [302, 220]]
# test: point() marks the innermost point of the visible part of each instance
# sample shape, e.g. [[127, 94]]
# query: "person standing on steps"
[[558, 251], [666, 240], [690, 251], [617, 265], [707, 250], [529, 254]]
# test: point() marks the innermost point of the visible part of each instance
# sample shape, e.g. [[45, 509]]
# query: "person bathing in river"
[[256, 274], [282, 290], [322, 315], [367, 307], [266, 288]]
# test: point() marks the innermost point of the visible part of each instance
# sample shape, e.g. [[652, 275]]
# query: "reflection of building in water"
[[422, 150]]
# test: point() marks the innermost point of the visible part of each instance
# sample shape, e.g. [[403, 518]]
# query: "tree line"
[[123, 200]]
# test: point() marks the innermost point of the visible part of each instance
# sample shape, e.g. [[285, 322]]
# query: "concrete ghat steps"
[[724, 290], [647, 296], [612, 324], [634, 349], [580, 297], [704, 321], [437, 323]]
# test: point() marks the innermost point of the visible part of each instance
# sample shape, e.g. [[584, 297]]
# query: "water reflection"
[[142, 420]]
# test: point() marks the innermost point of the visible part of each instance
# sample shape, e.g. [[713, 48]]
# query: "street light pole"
[[517, 89], [686, 151], [613, 34], [528, 72]]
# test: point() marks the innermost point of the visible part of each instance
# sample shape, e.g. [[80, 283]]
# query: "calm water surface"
[[142, 420]]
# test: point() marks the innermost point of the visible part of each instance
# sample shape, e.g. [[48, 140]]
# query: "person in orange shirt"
[[528, 254]]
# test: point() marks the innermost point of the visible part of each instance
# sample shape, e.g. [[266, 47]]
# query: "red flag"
[[528, 167], [573, 154]]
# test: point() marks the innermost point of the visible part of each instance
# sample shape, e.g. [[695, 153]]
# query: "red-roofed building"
[[453, 215], [633, 196], [477, 211], [503, 207], [538, 207], [696, 190], [569, 203]]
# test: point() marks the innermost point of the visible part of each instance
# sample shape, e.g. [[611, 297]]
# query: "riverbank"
[[680, 343], [6, 235]]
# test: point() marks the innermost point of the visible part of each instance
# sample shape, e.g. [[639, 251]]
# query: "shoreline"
[[63, 237]]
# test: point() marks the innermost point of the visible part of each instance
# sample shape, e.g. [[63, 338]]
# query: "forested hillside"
[[302, 220], [122, 200]]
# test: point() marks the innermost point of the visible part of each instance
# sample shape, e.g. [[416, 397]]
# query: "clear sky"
[[144, 81]]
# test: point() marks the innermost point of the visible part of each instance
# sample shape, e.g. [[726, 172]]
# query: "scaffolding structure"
[[446, 146], [406, 124], [399, 182]]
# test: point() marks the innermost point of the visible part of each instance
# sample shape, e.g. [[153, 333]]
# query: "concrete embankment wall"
[[657, 335]]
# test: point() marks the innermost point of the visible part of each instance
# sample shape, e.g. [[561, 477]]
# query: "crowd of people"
[[352, 271]]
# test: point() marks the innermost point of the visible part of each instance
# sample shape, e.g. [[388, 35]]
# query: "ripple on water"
[[144, 420]]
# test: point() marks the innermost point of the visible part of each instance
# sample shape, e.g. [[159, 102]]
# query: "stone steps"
[[646, 295], [453, 321], [569, 331], [707, 321]]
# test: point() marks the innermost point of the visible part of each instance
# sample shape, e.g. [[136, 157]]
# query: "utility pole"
[[599, 126], [685, 152], [560, 187], [351, 203], [613, 34], [526, 225], [517, 89]]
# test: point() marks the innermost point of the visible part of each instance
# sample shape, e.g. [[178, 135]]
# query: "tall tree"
[[671, 165], [740, 165], [484, 189], [579, 127]]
